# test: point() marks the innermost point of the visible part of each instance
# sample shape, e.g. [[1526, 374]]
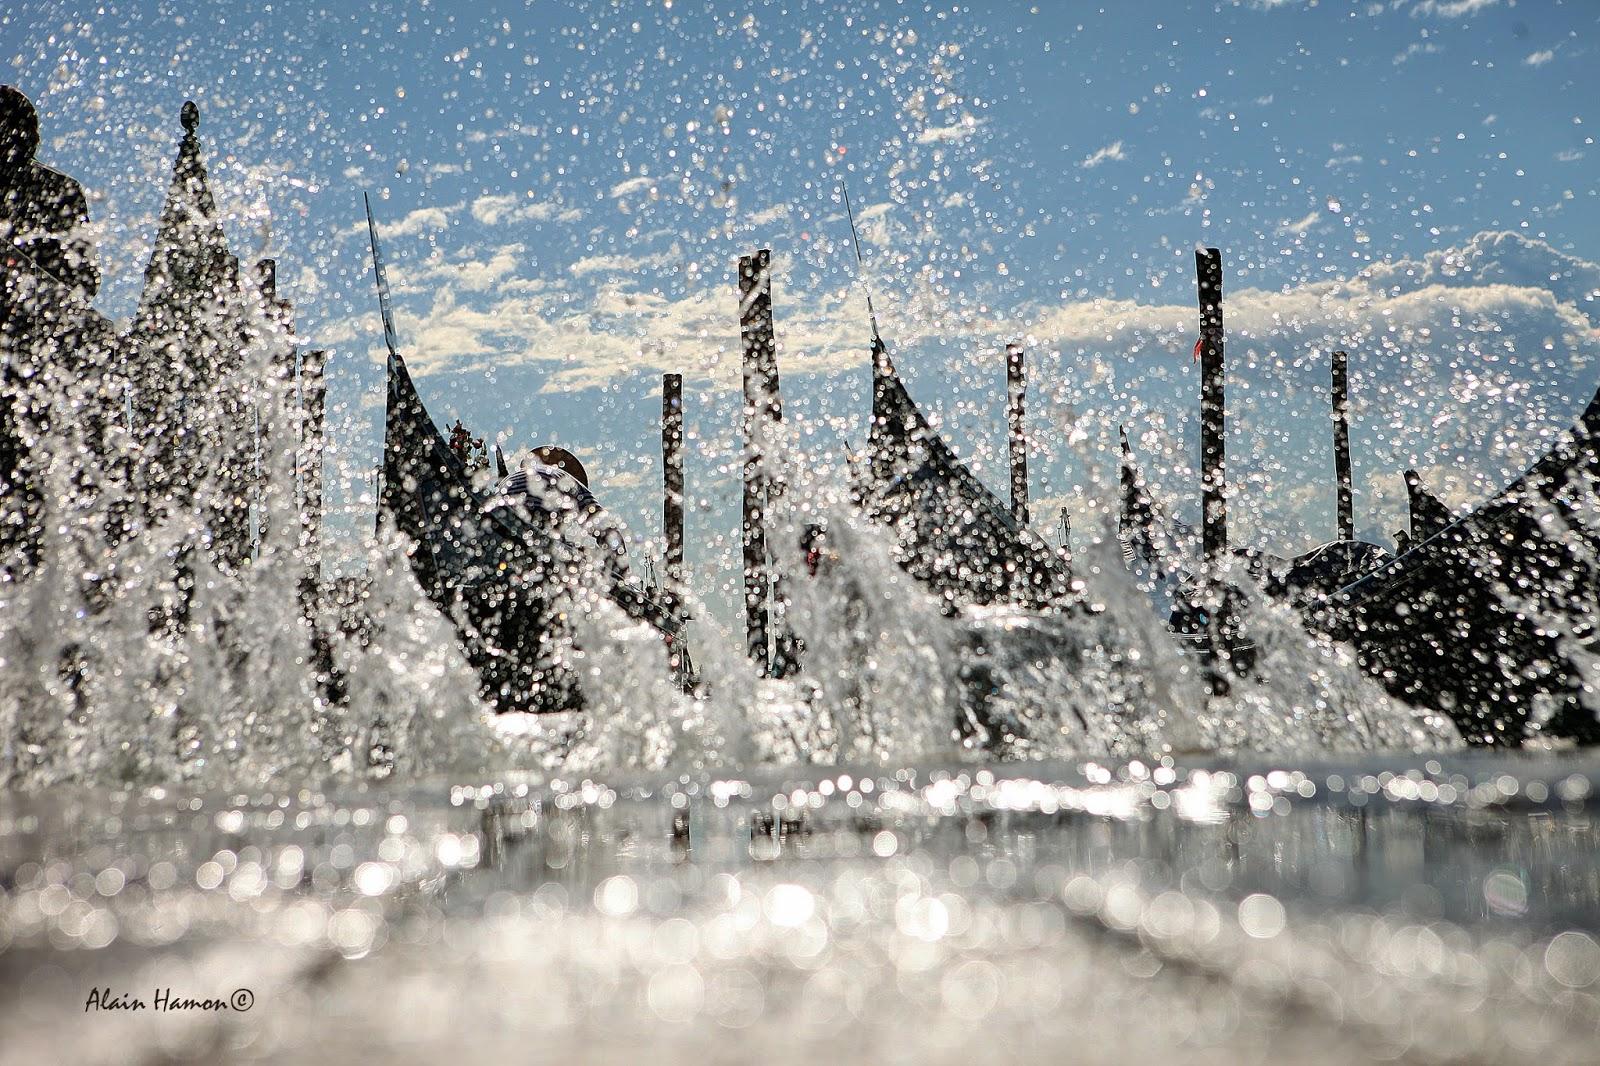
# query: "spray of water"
[[145, 658]]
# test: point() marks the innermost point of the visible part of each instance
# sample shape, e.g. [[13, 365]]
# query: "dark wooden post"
[[672, 480], [1341, 448], [1214, 527], [313, 406], [273, 409], [1016, 389], [760, 407]]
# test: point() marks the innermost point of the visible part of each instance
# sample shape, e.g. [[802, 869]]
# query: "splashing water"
[[144, 660], [1120, 790], [231, 691]]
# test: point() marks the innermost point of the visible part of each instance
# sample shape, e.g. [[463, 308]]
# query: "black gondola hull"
[[1492, 619], [505, 578]]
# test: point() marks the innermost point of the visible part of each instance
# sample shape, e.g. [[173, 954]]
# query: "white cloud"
[[775, 213], [423, 218], [491, 209], [418, 221], [1299, 228], [951, 134], [1452, 8], [601, 264], [614, 330], [1539, 59], [1416, 48], [1497, 258], [616, 264], [308, 284], [481, 275], [497, 210], [1111, 151], [631, 186]]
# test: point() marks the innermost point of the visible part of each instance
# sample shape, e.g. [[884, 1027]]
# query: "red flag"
[[1198, 345]]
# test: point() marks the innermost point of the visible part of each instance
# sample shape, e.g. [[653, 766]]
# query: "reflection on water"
[[1472, 844], [1402, 907]]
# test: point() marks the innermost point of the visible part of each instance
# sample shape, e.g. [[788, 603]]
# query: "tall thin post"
[[1341, 448], [272, 409], [1016, 390], [672, 480], [760, 407], [1214, 526], [313, 406]]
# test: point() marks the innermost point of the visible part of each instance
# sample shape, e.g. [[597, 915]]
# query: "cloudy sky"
[[565, 187]]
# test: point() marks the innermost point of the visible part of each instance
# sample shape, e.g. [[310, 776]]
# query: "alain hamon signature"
[[164, 1000]]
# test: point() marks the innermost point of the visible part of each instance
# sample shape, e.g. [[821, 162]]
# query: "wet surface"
[[1428, 909]]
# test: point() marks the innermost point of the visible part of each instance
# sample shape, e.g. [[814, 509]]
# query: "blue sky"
[[565, 188]]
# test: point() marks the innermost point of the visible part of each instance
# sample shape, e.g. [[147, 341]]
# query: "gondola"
[[1488, 617], [504, 577], [1010, 595], [1491, 618], [507, 579], [952, 532]]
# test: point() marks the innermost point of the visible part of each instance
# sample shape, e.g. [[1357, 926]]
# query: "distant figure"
[[562, 460], [553, 486], [43, 213], [469, 449]]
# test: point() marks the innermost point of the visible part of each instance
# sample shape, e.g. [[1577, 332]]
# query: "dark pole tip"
[[190, 116]]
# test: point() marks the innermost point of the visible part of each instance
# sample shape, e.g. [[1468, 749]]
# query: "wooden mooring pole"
[[313, 416], [1341, 448], [672, 481], [1218, 600], [1016, 390], [760, 411], [1214, 523]]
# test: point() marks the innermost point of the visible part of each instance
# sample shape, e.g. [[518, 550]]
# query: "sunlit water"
[[1109, 864], [1412, 909], [191, 815]]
